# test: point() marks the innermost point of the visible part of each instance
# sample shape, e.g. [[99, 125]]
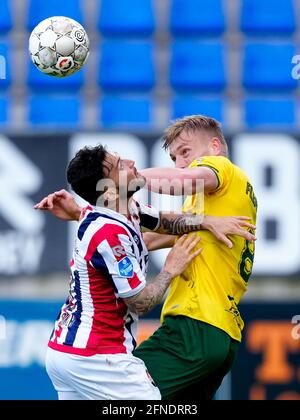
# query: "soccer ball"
[[59, 46]]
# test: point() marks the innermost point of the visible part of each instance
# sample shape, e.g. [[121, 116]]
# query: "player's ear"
[[215, 146]]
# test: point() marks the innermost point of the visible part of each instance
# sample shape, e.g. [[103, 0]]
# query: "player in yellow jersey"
[[192, 351]]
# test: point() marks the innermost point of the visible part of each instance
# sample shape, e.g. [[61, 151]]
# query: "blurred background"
[[151, 61]]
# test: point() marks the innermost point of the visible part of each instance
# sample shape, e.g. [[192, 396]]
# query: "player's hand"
[[61, 204], [182, 254], [221, 227]]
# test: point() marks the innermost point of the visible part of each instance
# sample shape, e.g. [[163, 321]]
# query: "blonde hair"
[[194, 123]]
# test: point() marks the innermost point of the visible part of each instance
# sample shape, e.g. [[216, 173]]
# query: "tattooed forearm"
[[181, 224], [151, 295]]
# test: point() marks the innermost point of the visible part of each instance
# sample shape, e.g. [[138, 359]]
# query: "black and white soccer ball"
[[59, 46]]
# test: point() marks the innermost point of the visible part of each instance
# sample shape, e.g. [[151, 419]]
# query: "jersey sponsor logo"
[[125, 267], [118, 251]]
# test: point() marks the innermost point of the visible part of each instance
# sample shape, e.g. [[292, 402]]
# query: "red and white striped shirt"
[[109, 263]]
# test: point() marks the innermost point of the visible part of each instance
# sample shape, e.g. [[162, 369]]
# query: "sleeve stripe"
[[149, 217], [215, 171], [148, 221]]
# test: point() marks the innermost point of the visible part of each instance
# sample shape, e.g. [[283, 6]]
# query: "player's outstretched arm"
[[220, 227], [177, 261], [177, 181], [178, 224], [61, 204]]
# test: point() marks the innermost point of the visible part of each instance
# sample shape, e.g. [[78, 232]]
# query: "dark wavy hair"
[[85, 170]]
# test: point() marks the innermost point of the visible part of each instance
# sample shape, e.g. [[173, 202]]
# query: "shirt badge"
[[125, 267]]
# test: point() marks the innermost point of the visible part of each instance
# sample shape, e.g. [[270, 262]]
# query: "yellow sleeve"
[[221, 166]]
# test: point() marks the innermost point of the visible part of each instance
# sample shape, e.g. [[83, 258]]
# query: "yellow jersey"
[[211, 287]]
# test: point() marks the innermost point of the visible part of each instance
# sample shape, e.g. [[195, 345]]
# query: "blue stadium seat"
[[192, 105], [126, 17], [5, 66], [126, 112], [127, 65], [197, 17], [196, 65], [268, 66], [268, 16], [5, 16], [41, 9], [4, 111], [62, 111], [270, 113], [39, 81]]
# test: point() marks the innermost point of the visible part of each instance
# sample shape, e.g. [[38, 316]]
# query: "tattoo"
[[151, 295], [182, 224]]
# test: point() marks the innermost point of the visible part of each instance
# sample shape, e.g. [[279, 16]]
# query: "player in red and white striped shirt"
[[108, 265], [90, 349]]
